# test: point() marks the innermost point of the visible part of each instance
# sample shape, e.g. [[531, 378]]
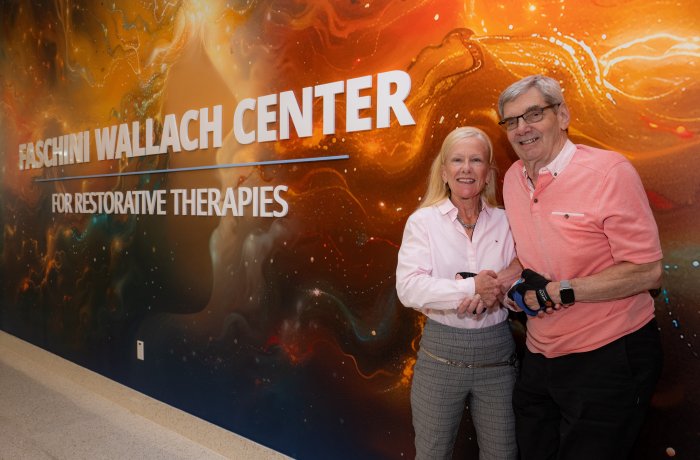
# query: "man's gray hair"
[[549, 87]]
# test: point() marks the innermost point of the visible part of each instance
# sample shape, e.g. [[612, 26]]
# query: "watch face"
[[567, 296]]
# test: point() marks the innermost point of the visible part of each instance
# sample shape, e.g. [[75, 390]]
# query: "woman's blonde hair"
[[439, 190]]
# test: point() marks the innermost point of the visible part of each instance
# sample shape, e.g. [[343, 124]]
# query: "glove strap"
[[543, 298]]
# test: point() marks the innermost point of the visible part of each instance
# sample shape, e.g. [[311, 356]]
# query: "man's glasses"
[[531, 116]]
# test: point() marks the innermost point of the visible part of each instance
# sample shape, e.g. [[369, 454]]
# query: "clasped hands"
[[487, 294]]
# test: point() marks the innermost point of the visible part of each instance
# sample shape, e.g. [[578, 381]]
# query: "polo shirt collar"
[[557, 165]]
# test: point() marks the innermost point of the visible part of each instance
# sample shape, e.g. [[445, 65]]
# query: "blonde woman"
[[453, 247]]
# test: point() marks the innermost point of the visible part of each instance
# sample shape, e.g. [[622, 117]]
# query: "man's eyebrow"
[[532, 107]]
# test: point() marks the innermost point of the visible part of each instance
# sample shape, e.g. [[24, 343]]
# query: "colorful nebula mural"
[[288, 330]]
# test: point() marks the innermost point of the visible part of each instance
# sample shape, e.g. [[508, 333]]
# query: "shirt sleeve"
[[629, 223], [415, 285]]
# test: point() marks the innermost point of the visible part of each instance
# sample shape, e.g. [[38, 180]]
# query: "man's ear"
[[563, 116]]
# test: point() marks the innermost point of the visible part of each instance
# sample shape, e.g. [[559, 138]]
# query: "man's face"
[[540, 141]]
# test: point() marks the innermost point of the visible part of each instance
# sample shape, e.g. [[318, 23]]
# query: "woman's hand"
[[487, 289]]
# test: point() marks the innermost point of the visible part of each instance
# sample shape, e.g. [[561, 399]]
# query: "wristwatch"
[[566, 292]]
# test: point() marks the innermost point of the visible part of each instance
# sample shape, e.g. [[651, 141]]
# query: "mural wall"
[[227, 181]]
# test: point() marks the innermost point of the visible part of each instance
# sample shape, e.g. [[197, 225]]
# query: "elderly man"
[[587, 238]]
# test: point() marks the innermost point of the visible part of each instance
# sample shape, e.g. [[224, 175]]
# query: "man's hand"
[[531, 294], [487, 286]]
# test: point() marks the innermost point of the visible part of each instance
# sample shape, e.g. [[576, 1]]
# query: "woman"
[[467, 352]]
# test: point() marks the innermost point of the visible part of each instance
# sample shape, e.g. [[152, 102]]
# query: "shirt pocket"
[[571, 227]]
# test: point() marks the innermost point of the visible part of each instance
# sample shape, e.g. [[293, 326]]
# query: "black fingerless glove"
[[531, 281]]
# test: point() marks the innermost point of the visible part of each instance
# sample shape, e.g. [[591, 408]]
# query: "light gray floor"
[[37, 422], [48, 410]]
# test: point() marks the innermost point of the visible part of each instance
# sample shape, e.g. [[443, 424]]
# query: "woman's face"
[[466, 168]]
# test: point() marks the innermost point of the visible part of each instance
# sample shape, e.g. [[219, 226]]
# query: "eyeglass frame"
[[523, 115]]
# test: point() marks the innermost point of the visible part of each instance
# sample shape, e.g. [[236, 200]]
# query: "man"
[[581, 220]]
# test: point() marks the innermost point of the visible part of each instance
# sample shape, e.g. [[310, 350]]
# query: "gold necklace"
[[467, 226]]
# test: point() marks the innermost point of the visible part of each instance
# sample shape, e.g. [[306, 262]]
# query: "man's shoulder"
[[597, 159], [514, 169]]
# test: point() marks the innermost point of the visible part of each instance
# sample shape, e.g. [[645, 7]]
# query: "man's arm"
[[508, 276], [619, 281]]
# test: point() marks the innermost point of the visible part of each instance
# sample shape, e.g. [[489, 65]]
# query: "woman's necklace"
[[467, 226]]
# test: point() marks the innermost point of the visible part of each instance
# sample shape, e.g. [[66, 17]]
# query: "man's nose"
[[520, 125]]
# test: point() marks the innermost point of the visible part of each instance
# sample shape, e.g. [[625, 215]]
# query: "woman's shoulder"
[[498, 215], [423, 213], [497, 210], [427, 212]]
